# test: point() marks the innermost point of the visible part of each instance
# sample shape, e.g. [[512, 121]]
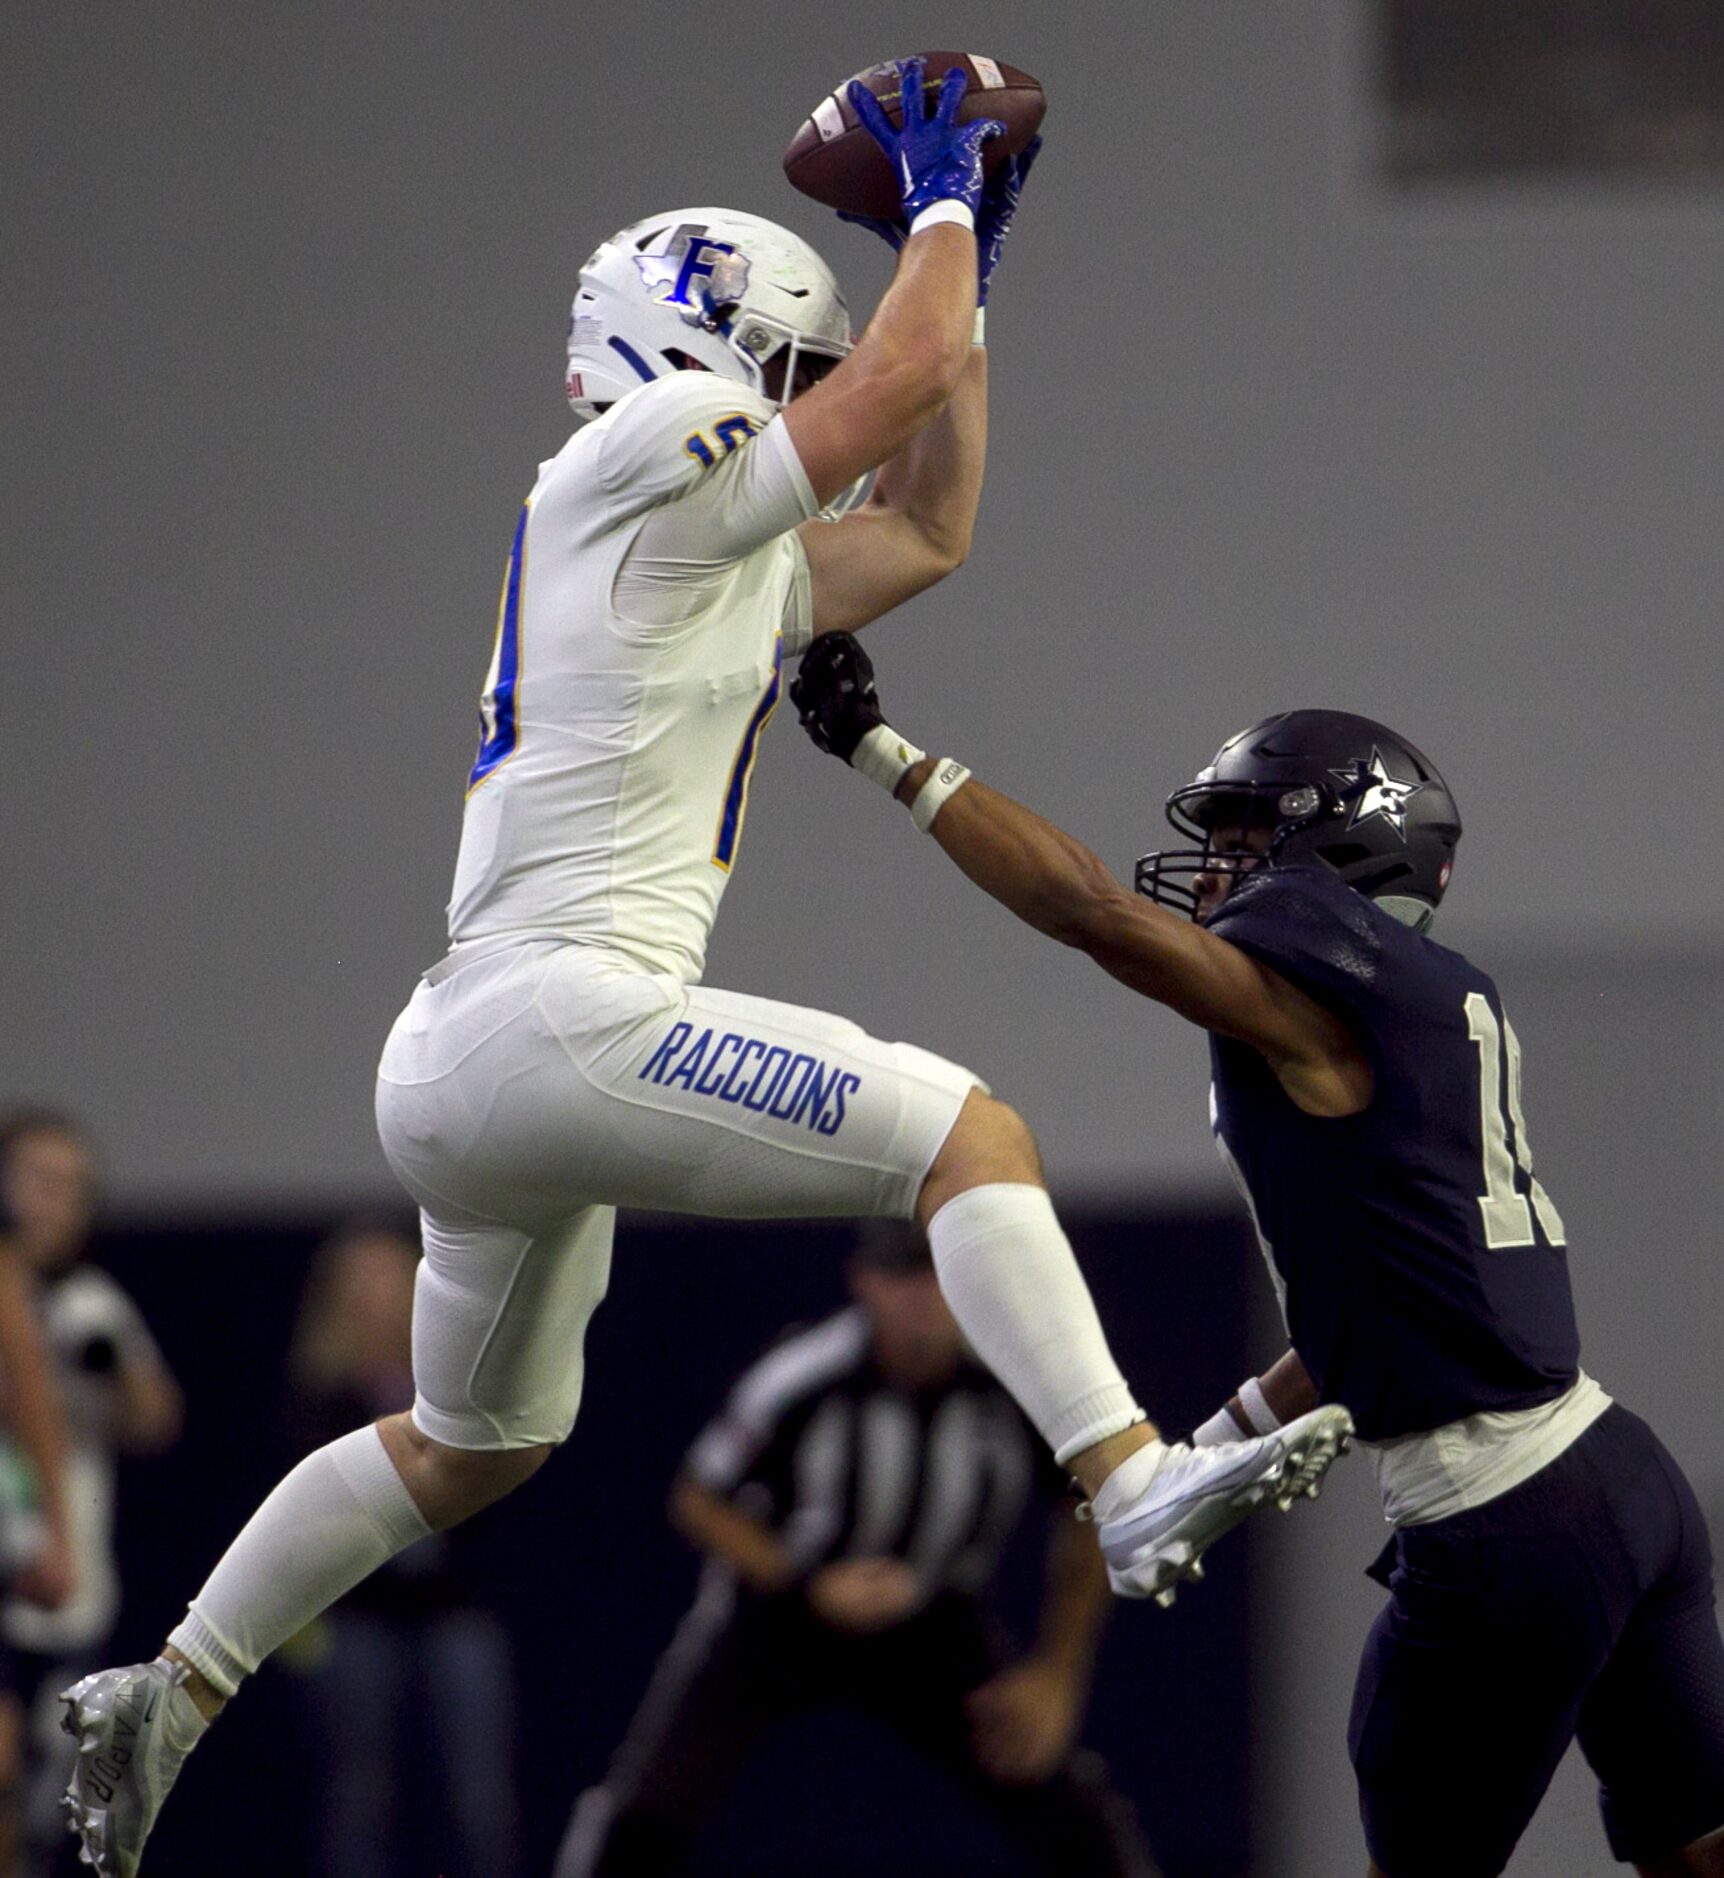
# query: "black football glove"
[[834, 694]]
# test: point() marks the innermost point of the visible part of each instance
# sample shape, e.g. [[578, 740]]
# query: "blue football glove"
[[894, 234], [1000, 198], [933, 158]]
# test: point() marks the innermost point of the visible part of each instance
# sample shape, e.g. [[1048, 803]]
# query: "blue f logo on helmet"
[[709, 278]]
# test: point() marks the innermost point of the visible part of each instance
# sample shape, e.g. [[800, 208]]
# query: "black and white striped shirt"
[[842, 1463]]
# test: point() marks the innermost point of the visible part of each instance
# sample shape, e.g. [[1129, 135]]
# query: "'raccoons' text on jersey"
[[654, 586], [1422, 1266]]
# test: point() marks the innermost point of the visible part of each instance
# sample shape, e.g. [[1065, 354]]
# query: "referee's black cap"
[[893, 1245]]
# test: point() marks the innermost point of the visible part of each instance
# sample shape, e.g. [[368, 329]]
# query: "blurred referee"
[[853, 1500]]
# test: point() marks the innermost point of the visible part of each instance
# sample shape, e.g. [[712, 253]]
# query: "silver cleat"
[[134, 1728], [1198, 1494]]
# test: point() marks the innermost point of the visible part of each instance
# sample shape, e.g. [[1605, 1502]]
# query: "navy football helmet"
[[1330, 787]]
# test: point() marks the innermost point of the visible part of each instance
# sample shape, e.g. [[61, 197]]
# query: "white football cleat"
[[134, 1728], [1197, 1494]]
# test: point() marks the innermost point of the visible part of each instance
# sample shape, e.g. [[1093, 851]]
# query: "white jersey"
[[653, 591]]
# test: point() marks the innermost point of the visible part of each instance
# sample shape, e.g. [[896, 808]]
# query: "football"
[[834, 160]]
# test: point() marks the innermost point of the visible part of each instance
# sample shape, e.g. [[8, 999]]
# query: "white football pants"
[[526, 1094]]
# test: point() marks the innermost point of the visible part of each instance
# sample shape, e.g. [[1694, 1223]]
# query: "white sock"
[[1008, 1273], [340, 1514], [1128, 1482], [183, 1722]]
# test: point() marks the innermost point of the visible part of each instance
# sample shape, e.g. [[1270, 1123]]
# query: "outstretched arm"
[[1052, 882], [907, 364], [915, 527], [905, 368]]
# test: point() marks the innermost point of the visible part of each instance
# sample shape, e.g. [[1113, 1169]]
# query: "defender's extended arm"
[[1054, 883]]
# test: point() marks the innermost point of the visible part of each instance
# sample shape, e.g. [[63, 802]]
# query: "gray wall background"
[[285, 290]]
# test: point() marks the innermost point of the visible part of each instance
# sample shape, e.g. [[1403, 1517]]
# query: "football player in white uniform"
[[564, 1059]]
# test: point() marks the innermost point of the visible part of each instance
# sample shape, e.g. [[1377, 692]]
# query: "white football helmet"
[[699, 287]]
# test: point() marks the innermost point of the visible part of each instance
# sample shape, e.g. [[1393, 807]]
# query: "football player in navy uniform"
[[1550, 1576]]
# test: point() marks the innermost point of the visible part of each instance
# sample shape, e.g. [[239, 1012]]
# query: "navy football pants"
[[1579, 1604]]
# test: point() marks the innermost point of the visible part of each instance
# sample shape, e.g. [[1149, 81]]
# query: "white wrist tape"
[[949, 776], [1257, 1410], [883, 756], [948, 210], [978, 332]]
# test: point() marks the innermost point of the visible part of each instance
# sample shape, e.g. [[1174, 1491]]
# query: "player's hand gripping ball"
[[1001, 194], [1000, 199], [935, 159], [834, 694], [835, 159]]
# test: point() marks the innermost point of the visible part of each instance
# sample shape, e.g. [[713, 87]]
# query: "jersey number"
[[1507, 1212], [730, 431], [499, 721]]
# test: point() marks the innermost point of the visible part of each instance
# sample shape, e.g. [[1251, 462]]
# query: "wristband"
[[947, 209], [1258, 1413], [977, 331], [883, 756], [949, 776]]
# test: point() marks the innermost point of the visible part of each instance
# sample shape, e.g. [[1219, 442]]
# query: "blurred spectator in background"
[[853, 1500], [35, 1554], [116, 1396], [410, 1662]]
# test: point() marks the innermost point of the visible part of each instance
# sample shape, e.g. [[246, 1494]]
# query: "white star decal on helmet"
[[1373, 791]]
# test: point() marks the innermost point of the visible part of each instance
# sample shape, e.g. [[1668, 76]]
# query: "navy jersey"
[[1422, 1267]]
